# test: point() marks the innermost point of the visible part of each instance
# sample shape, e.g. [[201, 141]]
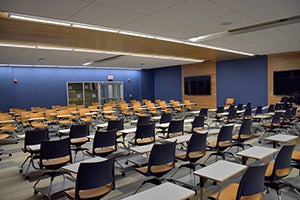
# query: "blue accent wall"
[[167, 83], [147, 84], [47, 86], [245, 79]]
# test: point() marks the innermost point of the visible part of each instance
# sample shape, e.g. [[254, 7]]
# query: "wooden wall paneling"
[[280, 62], [200, 69]]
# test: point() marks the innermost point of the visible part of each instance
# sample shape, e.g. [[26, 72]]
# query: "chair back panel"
[[175, 126], [104, 139], [203, 112], [197, 143], [162, 154], [245, 127], [95, 175], [145, 131], [282, 165], [252, 182], [165, 118], [258, 110], [231, 115], [198, 122], [55, 149], [225, 136], [115, 124], [220, 109], [36, 136], [276, 118], [79, 130], [143, 120], [248, 112], [271, 108]]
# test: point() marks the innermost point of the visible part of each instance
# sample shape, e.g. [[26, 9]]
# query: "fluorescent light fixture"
[[219, 48], [88, 51], [168, 39], [209, 36], [38, 19], [17, 45], [54, 48], [166, 57], [88, 63], [142, 55], [227, 50], [97, 28], [137, 34], [118, 53]]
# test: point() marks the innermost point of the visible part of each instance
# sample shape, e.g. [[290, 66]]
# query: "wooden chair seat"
[[3, 136], [105, 149], [145, 140], [56, 161], [156, 168], [296, 155], [90, 193], [279, 172], [79, 140]]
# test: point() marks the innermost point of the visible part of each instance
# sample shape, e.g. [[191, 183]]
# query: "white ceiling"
[[179, 19]]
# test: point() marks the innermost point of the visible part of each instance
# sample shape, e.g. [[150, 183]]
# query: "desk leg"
[[202, 183], [244, 160], [274, 144]]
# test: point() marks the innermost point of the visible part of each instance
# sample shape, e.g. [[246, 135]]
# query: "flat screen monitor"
[[286, 82], [197, 85]]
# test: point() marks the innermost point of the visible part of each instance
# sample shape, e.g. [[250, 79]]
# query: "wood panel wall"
[[200, 69], [280, 62]]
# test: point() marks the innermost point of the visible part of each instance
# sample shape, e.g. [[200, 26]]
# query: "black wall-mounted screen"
[[197, 85], [287, 82]]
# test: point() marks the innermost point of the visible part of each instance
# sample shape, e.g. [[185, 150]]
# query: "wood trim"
[[33, 33], [199, 69], [280, 62]]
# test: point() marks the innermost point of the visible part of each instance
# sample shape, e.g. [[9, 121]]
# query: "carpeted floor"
[[14, 186]]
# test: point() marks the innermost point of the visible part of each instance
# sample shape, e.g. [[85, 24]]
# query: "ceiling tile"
[[234, 43], [151, 25], [193, 11], [291, 29], [239, 5], [31, 56], [236, 20], [104, 16], [274, 11], [185, 32], [140, 6], [55, 9], [74, 58], [7, 53], [265, 37], [138, 62]]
